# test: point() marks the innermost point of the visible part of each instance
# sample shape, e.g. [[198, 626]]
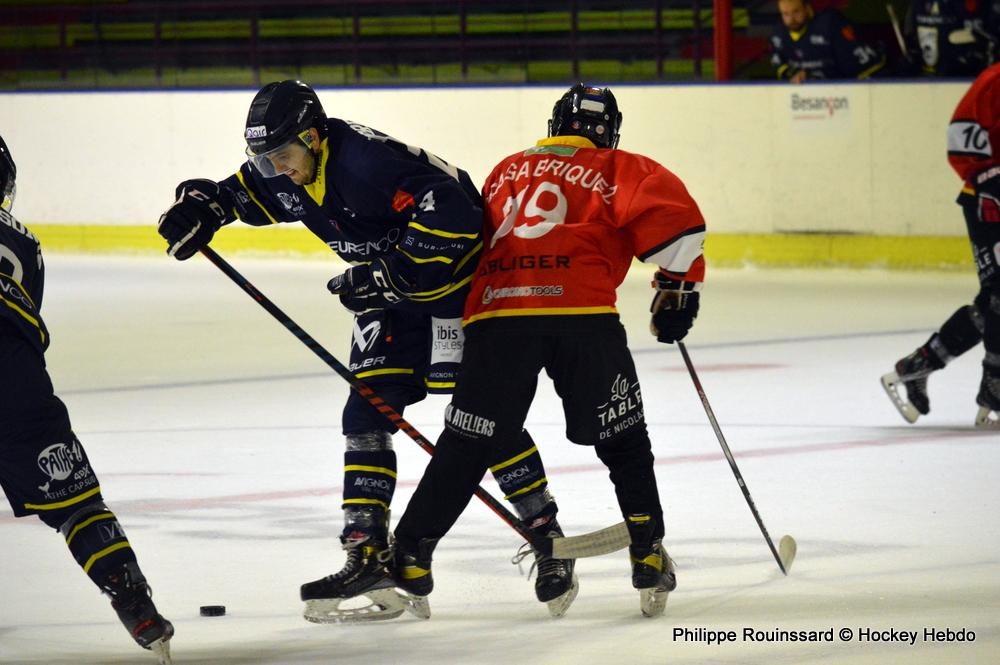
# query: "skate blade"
[[558, 606], [418, 606], [161, 648], [891, 383], [383, 605], [653, 601], [987, 418]]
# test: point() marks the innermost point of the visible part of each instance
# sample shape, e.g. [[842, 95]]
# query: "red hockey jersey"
[[563, 221], [975, 126]]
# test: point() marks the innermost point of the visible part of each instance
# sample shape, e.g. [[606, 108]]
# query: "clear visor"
[[9, 192], [279, 161]]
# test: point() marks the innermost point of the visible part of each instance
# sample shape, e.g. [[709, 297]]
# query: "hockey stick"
[[785, 553], [895, 28], [604, 541]]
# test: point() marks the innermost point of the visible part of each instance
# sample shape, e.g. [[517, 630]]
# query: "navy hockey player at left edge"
[[410, 224], [44, 469]]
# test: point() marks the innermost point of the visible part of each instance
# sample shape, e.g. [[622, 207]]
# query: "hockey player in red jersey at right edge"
[[974, 130], [563, 221], [44, 469]]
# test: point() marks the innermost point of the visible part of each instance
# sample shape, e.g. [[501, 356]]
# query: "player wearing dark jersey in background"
[[563, 222], [809, 45], [44, 469], [411, 223], [953, 37], [972, 136]]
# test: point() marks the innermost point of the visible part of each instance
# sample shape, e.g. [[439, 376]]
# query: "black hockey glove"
[[189, 224], [674, 308], [364, 288]]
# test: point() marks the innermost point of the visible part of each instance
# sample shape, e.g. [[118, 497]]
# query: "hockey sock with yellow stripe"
[[369, 478], [97, 541]]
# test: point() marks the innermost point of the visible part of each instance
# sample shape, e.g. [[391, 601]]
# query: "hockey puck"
[[213, 610]]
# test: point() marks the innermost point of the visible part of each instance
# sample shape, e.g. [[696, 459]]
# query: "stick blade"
[[596, 543], [787, 549]]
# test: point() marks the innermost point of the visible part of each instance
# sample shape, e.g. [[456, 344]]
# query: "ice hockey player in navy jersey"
[[411, 225], [819, 45], [44, 469]]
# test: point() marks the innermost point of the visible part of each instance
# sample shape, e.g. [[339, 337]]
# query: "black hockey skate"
[[364, 574], [912, 372], [653, 575], [132, 601], [988, 399], [556, 583], [412, 569]]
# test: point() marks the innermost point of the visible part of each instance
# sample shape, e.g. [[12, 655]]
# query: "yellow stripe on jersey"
[[373, 469], [443, 234], [465, 259], [432, 259], [27, 317], [442, 292], [62, 504], [253, 197], [539, 311], [514, 460], [871, 70], [380, 372]]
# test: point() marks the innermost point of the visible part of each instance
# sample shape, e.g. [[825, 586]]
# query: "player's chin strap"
[[604, 541]]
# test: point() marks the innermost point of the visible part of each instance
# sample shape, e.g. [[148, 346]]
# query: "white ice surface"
[[216, 435]]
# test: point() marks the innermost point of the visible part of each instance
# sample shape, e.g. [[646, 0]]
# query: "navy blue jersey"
[[22, 281], [826, 48], [932, 26], [377, 197]]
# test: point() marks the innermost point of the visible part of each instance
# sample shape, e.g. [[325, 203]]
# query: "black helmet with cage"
[[588, 112], [8, 174], [280, 117]]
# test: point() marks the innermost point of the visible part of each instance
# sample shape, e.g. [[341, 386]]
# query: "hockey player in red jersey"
[[972, 135], [44, 469], [563, 221]]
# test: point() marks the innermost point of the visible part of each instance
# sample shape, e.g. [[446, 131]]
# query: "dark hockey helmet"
[[280, 116], [588, 112], [8, 174]]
